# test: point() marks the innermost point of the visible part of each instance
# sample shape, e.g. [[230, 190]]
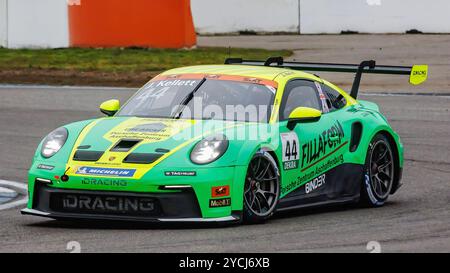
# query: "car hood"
[[136, 143]]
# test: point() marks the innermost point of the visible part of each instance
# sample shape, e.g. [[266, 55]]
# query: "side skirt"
[[338, 185], [342, 201]]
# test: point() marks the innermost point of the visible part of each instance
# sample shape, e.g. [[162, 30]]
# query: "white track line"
[[21, 188], [108, 88], [403, 95], [18, 203], [7, 192], [19, 185]]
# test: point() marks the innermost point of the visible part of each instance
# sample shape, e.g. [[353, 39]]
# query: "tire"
[[261, 188], [379, 171]]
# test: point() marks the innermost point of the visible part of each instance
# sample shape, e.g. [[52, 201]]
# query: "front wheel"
[[378, 173], [262, 188]]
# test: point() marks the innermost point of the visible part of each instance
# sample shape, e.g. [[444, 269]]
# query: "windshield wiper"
[[187, 99]]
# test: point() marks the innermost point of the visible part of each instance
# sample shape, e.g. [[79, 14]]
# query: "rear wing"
[[417, 73]]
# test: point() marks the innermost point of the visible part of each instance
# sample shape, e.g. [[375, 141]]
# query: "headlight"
[[209, 149], [53, 142]]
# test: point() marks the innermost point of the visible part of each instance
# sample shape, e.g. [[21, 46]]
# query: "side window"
[[335, 100], [299, 93]]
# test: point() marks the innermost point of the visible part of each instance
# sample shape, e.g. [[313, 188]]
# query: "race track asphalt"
[[416, 219]]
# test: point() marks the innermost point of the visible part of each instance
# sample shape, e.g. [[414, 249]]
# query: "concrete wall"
[[44, 23], [219, 16], [3, 23], [37, 24], [321, 16], [374, 16]]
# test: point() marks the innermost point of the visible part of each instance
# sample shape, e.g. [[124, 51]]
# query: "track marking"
[[428, 95], [20, 188], [7, 192], [107, 88], [19, 185]]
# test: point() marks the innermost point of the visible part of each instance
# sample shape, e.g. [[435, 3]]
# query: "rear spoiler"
[[417, 73]]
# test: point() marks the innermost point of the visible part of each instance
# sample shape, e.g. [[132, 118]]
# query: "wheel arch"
[[246, 154], [250, 149], [270, 154], [397, 164]]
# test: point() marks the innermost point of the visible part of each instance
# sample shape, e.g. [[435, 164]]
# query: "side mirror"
[[110, 107], [303, 114]]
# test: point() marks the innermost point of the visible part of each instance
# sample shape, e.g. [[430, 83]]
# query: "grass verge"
[[111, 67]]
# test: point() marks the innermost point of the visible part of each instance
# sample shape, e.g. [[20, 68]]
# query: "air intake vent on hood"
[[81, 155], [141, 158], [125, 145]]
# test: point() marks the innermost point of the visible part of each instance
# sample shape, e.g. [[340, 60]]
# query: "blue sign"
[[106, 172]]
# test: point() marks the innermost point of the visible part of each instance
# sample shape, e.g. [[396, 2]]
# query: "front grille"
[[116, 204], [104, 204]]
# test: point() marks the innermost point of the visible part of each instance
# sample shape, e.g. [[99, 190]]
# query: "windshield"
[[202, 98]]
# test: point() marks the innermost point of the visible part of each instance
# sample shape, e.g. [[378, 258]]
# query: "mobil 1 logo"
[[290, 151]]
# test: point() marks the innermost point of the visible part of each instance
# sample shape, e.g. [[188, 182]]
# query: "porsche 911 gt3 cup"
[[234, 142]]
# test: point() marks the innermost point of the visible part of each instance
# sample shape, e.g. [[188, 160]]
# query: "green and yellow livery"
[[223, 143]]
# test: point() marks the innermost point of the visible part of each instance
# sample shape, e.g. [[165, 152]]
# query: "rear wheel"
[[379, 172], [262, 188]]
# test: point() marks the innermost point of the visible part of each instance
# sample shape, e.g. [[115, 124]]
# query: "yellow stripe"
[[190, 141], [277, 101], [140, 170], [81, 137]]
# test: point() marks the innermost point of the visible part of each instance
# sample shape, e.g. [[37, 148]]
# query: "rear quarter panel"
[[373, 123]]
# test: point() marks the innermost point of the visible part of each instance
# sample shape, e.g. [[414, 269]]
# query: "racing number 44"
[[290, 150]]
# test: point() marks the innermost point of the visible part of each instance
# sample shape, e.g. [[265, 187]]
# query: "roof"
[[264, 72]]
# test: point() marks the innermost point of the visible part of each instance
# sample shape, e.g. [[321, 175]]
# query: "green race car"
[[234, 142]]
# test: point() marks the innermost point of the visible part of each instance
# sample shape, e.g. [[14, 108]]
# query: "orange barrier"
[[143, 23]]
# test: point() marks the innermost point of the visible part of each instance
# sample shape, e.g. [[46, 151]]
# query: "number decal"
[[288, 151], [290, 145], [294, 152]]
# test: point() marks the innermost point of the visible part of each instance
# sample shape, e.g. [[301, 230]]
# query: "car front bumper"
[[189, 203], [179, 206]]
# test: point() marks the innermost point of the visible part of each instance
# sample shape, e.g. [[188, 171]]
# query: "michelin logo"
[[106, 172]]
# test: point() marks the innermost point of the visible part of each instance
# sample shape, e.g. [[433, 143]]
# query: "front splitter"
[[34, 212]]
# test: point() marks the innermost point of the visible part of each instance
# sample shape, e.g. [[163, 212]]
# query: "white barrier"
[[218, 16], [37, 24], [44, 23], [3, 23], [321, 16], [374, 16]]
